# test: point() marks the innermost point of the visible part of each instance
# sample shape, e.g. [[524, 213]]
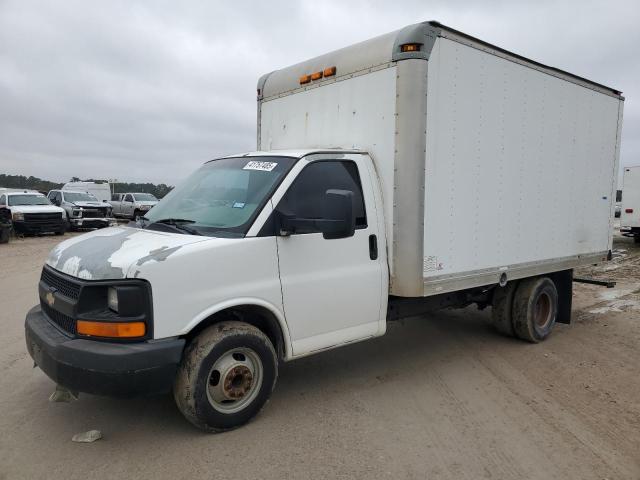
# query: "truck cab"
[[245, 233]]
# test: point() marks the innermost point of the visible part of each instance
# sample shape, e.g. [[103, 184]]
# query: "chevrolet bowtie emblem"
[[50, 299]]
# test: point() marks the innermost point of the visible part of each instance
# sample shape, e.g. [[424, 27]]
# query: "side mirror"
[[339, 215], [338, 218]]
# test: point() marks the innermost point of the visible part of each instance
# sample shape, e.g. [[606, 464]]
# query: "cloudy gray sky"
[[147, 91]]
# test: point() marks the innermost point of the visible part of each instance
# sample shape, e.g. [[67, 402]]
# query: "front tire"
[[226, 376]]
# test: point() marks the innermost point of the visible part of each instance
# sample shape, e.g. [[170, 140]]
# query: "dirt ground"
[[443, 397]]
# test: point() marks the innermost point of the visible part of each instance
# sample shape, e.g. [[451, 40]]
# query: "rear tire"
[[226, 376], [502, 308], [535, 308]]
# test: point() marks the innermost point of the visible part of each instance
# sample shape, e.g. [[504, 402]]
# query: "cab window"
[[307, 194]]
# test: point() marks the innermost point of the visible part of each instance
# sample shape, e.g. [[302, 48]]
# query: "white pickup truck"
[[132, 205], [419, 170]]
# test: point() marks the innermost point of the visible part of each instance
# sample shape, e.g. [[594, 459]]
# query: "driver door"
[[332, 288]]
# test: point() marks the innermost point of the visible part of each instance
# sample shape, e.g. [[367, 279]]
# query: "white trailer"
[[630, 211], [426, 169], [102, 191]]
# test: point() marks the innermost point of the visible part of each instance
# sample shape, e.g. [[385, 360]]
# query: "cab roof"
[[299, 153]]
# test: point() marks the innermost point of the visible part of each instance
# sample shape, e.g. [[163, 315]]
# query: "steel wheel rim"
[[234, 380], [542, 310]]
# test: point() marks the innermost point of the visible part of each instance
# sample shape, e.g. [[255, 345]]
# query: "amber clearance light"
[[111, 329]]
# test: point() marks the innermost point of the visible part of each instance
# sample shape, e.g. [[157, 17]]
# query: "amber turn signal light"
[[329, 71], [410, 47], [111, 329]]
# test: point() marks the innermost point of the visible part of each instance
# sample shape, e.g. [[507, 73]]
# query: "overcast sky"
[[147, 91]]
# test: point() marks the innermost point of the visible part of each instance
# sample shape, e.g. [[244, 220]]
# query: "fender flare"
[[245, 302]]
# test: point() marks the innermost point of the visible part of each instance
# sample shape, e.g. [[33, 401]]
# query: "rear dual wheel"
[[526, 309], [226, 376]]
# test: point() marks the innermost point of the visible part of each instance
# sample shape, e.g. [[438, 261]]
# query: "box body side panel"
[[355, 113], [520, 165]]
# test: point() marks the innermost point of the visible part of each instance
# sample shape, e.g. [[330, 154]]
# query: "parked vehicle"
[[630, 211], [82, 210], [101, 191], [132, 205], [444, 194], [30, 212]]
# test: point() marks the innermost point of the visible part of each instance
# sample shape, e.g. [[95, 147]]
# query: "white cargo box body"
[[630, 214], [490, 163]]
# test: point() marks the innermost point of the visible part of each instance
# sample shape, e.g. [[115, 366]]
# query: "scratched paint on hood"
[[109, 253]]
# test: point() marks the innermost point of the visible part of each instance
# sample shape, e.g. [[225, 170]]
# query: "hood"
[[108, 254], [36, 209], [90, 204], [147, 202]]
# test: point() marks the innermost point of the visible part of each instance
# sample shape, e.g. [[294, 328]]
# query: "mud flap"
[[564, 285]]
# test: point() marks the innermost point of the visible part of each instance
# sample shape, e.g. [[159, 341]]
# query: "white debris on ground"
[[87, 437]]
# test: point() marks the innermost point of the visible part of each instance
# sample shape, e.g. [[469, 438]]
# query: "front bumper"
[[101, 368], [38, 227], [92, 222]]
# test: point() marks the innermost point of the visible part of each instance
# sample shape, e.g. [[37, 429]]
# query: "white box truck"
[[630, 211], [418, 170]]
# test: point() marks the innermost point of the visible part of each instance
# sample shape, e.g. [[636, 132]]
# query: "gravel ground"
[[437, 397]]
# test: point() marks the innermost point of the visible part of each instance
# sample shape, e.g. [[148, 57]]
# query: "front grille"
[[66, 287], [93, 213], [63, 321], [42, 218]]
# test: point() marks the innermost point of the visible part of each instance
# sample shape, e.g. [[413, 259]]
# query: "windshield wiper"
[[177, 223]]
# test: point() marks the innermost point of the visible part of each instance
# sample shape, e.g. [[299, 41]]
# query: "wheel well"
[[259, 317]]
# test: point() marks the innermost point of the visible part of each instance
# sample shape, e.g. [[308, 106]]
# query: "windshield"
[[224, 196], [79, 197], [15, 200], [144, 197]]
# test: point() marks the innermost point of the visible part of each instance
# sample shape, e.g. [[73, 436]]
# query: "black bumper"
[[39, 227], [101, 368]]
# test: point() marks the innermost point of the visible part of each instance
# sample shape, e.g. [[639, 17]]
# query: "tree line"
[[35, 183]]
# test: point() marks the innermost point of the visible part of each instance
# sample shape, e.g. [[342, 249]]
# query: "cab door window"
[[307, 194]]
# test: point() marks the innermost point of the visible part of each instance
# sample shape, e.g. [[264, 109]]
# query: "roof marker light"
[[316, 75], [410, 47], [305, 79], [329, 71]]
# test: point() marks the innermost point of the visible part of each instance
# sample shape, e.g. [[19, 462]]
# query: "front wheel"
[[226, 376]]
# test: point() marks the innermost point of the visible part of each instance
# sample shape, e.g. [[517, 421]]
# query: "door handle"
[[373, 247]]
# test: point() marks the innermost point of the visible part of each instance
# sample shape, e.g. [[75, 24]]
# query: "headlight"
[[76, 212], [18, 217], [112, 299]]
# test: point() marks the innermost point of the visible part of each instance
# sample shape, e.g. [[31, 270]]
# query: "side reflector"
[[329, 71], [628, 210], [111, 329], [316, 75], [410, 47], [305, 79]]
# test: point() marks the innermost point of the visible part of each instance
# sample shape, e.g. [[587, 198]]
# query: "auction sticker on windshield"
[[263, 166]]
